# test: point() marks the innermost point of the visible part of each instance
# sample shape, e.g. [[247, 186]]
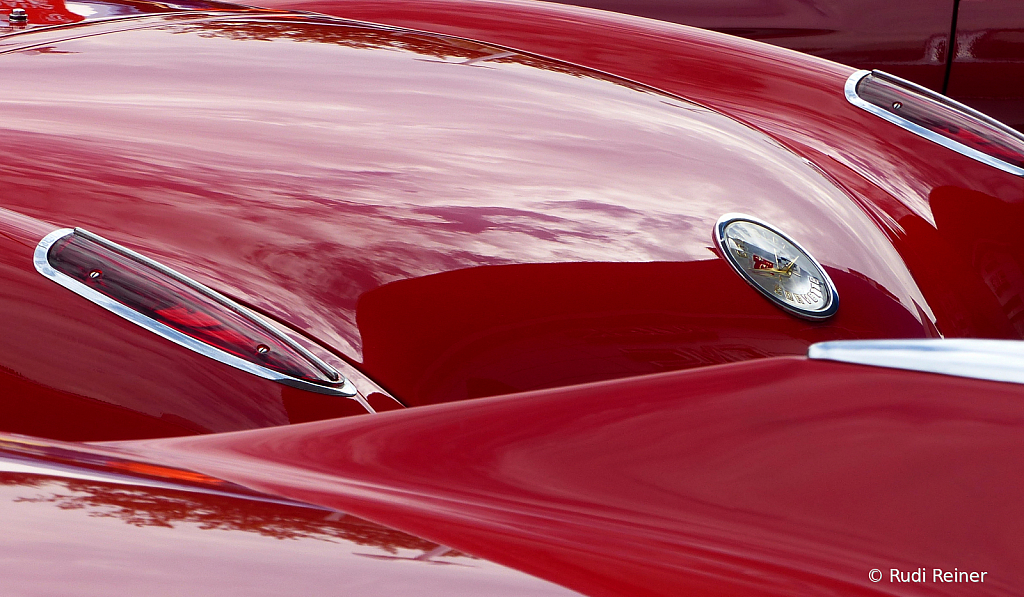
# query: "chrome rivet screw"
[[95, 274], [897, 105], [263, 349], [18, 15]]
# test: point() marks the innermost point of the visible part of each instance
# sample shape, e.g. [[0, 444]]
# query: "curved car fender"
[[781, 477], [933, 203]]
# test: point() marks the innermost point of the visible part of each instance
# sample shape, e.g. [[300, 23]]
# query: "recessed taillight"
[[181, 310], [938, 118]]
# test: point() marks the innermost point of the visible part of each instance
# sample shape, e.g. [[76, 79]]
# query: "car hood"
[[458, 219]]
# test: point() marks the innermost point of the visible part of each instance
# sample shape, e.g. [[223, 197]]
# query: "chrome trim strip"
[[994, 360], [342, 386], [850, 90], [729, 218]]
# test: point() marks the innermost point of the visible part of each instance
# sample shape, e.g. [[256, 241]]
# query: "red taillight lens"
[[938, 118], [180, 309]]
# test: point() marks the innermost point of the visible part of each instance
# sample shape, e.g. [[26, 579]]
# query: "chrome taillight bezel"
[[337, 385], [927, 95]]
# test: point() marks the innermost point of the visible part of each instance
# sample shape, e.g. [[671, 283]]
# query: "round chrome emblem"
[[776, 266]]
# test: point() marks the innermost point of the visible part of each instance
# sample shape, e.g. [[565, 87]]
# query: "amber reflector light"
[[939, 118], [160, 295]]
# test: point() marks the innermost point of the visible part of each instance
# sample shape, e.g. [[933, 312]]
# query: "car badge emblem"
[[776, 266]]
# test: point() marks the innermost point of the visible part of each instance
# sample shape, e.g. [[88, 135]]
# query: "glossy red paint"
[[769, 477], [512, 328], [496, 228], [212, 187], [988, 67], [893, 175], [108, 527], [493, 174], [909, 39]]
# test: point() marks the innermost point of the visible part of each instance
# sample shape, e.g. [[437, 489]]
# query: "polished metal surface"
[[852, 96], [776, 266], [342, 387], [995, 360]]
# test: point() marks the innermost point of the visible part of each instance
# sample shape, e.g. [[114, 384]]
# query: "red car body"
[[983, 68], [499, 213]]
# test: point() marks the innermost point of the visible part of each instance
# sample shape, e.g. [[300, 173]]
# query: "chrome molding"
[[341, 387], [850, 90], [994, 360]]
